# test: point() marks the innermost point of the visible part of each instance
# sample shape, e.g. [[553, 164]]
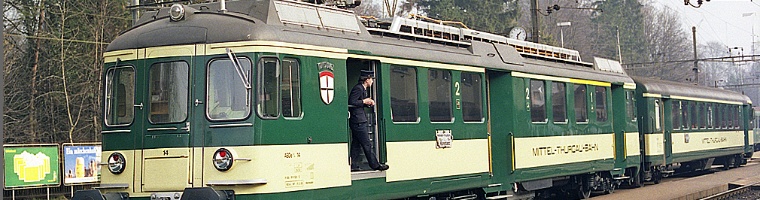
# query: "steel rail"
[[732, 192]]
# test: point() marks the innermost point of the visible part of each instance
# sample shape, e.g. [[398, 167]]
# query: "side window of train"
[[439, 95], [226, 92], [559, 102], [657, 120], [630, 103], [581, 107], [168, 92], [403, 82], [601, 103], [693, 115], [472, 97], [537, 101], [291, 88], [120, 96], [737, 113], [267, 91], [675, 114], [729, 116], [710, 116], [685, 115], [702, 115], [722, 117]]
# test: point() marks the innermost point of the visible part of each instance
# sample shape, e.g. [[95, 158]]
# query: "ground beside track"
[[689, 185]]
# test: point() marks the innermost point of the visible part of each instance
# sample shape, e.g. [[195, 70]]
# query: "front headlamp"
[[177, 12], [223, 159], [116, 163]]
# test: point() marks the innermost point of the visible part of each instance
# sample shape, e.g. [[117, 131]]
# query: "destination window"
[[439, 95], [120, 96], [227, 96], [472, 100], [403, 81], [168, 92], [537, 101]]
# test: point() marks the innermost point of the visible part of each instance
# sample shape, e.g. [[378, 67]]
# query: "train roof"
[[260, 20], [673, 89]]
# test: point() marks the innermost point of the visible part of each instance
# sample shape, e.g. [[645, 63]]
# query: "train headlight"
[[177, 12], [222, 159], [116, 163]]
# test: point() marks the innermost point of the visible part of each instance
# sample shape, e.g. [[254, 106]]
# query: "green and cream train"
[[248, 100]]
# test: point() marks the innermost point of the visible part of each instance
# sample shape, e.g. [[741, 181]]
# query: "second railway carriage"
[[558, 125], [687, 127], [248, 100]]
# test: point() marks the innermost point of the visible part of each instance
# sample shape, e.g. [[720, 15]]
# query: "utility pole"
[[696, 65], [620, 53], [534, 20], [135, 11]]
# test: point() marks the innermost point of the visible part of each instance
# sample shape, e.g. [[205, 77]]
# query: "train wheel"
[[584, 186], [637, 183], [609, 186], [729, 161], [737, 161], [657, 177], [584, 192]]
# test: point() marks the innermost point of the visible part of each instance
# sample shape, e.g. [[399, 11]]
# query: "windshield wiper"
[[239, 68]]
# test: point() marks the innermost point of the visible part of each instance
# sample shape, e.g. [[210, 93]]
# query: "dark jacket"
[[356, 105]]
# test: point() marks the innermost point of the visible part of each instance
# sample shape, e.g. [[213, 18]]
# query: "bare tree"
[[668, 42], [57, 44], [369, 8]]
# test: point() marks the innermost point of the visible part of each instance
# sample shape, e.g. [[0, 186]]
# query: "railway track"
[[736, 192]]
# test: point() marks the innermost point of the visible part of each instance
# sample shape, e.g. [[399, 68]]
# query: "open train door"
[[166, 146], [376, 134]]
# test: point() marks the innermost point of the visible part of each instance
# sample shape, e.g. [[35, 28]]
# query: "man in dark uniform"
[[357, 100]]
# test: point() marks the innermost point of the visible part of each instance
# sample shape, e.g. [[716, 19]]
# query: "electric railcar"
[[248, 100]]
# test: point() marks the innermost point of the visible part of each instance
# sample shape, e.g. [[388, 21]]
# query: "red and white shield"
[[327, 86]]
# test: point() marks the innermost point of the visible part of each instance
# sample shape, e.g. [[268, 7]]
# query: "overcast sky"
[[726, 21]]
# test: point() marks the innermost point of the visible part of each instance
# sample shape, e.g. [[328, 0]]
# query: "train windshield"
[[227, 97]]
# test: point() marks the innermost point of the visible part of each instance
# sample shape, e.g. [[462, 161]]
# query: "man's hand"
[[368, 102]]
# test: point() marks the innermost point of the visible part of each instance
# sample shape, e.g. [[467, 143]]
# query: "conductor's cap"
[[367, 74]]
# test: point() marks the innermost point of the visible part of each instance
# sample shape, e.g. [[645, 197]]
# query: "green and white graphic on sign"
[[31, 166]]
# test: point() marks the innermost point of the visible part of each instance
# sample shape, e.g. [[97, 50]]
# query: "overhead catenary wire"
[[56, 39]]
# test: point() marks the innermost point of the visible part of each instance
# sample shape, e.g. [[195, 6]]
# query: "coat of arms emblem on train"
[[326, 82]]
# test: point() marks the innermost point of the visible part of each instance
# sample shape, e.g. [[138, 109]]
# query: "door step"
[[499, 197]]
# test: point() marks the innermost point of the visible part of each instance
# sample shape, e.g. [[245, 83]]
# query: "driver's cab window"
[[228, 98], [120, 96]]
